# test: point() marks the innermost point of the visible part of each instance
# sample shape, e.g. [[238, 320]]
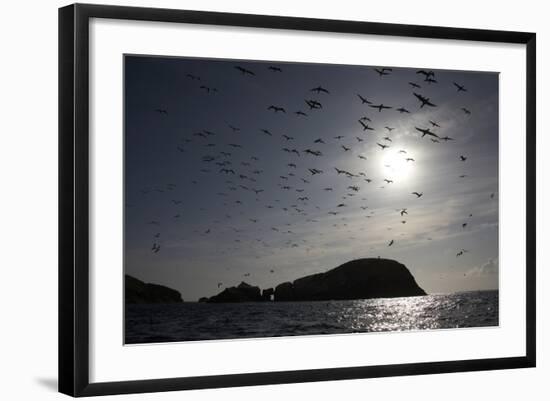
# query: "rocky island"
[[357, 279], [139, 292]]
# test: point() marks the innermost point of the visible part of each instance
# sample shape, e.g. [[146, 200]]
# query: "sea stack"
[[357, 279]]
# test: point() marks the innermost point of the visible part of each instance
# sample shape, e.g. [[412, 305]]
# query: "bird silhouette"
[[383, 71], [427, 74], [382, 146], [365, 126], [380, 107], [276, 109], [414, 85], [314, 104], [275, 69], [245, 71], [313, 152], [418, 194], [266, 131], [426, 131], [320, 89], [363, 100], [425, 101], [466, 111], [459, 88], [403, 110], [463, 158]]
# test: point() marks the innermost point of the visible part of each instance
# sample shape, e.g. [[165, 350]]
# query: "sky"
[[212, 198]]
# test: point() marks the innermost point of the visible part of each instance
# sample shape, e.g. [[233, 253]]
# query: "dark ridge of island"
[[357, 279], [244, 292], [139, 292]]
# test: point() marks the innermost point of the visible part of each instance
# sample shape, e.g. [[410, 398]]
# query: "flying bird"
[[463, 158], [403, 110], [414, 85], [274, 69], [383, 71], [276, 109], [426, 131], [459, 88], [320, 89], [380, 107], [466, 111], [382, 146], [266, 131], [244, 71], [313, 152], [427, 74], [418, 194], [425, 101], [365, 126], [391, 243], [314, 104], [363, 100]]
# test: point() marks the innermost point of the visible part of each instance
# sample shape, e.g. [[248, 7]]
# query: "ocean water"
[[200, 321]]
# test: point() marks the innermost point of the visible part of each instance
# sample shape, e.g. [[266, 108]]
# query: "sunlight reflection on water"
[[194, 321]]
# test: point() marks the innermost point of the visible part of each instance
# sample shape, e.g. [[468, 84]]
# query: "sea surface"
[[200, 321]]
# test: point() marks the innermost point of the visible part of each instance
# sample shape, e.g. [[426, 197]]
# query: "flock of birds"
[[246, 179]]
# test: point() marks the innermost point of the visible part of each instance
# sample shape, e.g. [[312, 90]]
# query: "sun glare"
[[397, 165]]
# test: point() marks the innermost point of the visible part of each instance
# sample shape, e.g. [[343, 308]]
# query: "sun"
[[397, 165]]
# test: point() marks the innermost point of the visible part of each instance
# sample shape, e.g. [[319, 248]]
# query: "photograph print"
[[268, 199]]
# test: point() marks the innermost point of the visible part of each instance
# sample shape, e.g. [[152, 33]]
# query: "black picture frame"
[[74, 198]]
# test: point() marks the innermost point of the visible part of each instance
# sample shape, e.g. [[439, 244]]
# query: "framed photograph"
[[250, 199]]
